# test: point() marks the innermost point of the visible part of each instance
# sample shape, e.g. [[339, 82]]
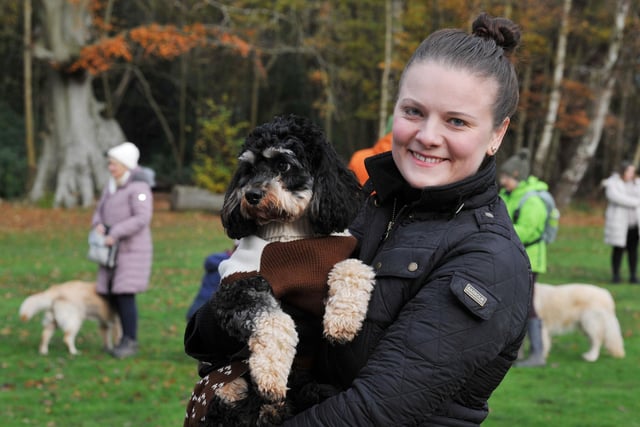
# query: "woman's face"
[[443, 124], [508, 182], [116, 169], [629, 173]]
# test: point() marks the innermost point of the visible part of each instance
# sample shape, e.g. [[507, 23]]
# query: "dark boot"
[[127, 347], [536, 355]]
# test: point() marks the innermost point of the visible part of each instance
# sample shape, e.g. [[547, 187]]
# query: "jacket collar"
[[473, 191]]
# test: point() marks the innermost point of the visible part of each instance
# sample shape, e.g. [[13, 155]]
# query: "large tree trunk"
[[72, 163], [602, 88]]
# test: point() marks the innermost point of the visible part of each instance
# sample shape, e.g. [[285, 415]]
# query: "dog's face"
[[286, 170], [273, 184]]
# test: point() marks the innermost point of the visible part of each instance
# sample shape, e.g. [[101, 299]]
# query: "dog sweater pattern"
[[297, 270], [204, 391]]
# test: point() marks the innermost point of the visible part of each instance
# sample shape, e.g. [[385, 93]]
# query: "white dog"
[[562, 308], [66, 306]]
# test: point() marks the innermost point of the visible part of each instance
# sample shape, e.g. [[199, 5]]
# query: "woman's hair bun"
[[503, 31]]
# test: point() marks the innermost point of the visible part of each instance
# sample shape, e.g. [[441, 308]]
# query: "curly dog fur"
[[289, 202]]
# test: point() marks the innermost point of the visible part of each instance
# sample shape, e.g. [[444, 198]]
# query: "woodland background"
[[186, 79]]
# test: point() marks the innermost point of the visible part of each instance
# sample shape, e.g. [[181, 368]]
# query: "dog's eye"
[[283, 167]]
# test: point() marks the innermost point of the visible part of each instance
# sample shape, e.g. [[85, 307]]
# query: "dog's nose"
[[254, 196]]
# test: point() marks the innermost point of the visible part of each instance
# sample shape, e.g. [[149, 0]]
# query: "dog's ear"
[[236, 226], [337, 195]]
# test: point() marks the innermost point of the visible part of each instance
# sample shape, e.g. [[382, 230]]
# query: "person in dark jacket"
[[453, 282], [123, 214], [210, 280]]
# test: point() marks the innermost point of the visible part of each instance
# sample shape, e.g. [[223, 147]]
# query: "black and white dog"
[[289, 282]]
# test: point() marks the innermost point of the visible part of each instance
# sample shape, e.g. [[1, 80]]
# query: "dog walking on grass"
[[591, 309], [66, 306]]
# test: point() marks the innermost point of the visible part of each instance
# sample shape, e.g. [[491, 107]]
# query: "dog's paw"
[[350, 285], [272, 414], [233, 392]]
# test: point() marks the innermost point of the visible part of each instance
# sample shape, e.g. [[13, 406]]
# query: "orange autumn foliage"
[[159, 41], [99, 57], [166, 41], [241, 46]]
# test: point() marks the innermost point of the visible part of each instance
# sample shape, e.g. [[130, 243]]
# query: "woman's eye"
[[410, 111], [457, 122], [283, 167]]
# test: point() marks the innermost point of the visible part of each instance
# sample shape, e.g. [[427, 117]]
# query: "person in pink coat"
[[123, 214]]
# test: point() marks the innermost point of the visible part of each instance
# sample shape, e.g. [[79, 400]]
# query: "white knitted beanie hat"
[[126, 153]]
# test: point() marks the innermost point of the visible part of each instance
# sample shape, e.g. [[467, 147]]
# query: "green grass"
[[569, 392], [93, 389], [39, 247]]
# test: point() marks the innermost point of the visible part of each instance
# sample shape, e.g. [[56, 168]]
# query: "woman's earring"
[[494, 150]]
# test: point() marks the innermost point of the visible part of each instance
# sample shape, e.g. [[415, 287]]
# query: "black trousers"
[[125, 305], [632, 255]]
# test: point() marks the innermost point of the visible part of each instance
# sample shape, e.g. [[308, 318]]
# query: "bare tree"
[[384, 82], [28, 98], [602, 87], [542, 151]]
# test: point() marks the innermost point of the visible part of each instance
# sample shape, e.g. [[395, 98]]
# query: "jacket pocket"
[[474, 296]]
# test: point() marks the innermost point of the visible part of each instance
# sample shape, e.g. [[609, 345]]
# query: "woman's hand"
[[108, 240]]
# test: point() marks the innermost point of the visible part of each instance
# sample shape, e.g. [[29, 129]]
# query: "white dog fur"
[[66, 306], [591, 309]]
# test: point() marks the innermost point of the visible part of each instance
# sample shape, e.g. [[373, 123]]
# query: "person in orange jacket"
[[356, 164]]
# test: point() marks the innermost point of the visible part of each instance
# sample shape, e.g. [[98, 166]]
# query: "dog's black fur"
[[288, 158], [312, 165]]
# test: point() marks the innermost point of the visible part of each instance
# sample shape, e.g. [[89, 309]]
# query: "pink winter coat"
[[127, 212]]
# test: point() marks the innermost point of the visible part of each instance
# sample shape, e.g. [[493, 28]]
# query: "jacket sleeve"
[[616, 193], [141, 207], [442, 343], [97, 213]]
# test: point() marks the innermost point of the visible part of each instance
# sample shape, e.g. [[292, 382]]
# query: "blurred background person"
[[356, 163], [210, 279], [123, 214], [529, 220], [622, 215]]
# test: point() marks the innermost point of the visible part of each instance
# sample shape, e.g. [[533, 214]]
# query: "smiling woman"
[[452, 279], [443, 125]]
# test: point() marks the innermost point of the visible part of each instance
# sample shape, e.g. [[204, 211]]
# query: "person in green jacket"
[[529, 221]]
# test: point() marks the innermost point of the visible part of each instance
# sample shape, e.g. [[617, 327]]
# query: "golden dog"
[[66, 306], [562, 308]]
